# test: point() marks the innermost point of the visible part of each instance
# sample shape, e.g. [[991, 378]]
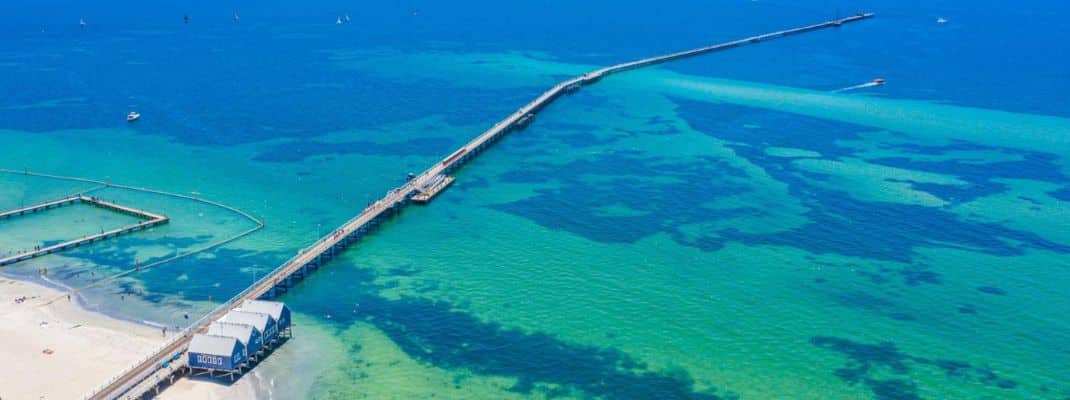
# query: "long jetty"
[[144, 378], [149, 220]]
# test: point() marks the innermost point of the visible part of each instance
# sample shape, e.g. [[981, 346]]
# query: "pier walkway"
[[39, 207], [150, 220], [143, 378]]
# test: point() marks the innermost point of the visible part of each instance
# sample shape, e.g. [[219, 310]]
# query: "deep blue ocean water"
[[229, 64], [695, 231]]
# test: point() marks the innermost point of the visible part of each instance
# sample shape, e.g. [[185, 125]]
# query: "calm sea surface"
[[717, 228]]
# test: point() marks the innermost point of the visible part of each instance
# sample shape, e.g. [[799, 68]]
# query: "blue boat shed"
[[247, 334], [264, 322], [216, 353], [277, 310]]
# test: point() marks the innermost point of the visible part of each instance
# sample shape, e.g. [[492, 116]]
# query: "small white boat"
[[941, 21], [347, 18], [338, 21], [133, 116], [236, 17], [81, 22]]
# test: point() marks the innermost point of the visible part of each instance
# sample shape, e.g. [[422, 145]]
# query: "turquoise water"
[[717, 228]]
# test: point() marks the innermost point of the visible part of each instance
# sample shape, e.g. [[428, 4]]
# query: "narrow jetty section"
[[143, 378], [149, 220]]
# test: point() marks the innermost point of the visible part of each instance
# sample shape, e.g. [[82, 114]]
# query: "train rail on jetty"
[[149, 220], [143, 378]]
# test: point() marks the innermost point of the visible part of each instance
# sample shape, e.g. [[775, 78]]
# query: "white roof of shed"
[[272, 308], [242, 332], [258, 320], [212, 344]]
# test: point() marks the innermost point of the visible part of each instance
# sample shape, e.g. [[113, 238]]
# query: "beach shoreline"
[[61, 350], [246, 387]]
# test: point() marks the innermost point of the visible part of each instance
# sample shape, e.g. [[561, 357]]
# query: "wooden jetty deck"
[[143, 377], [150, 220]]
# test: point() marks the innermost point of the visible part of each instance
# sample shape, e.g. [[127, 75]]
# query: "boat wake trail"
[[875, 82]]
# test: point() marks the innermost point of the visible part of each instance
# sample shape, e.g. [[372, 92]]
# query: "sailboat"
[[81, 22], [338, 21], [236, 17], [347, 18]]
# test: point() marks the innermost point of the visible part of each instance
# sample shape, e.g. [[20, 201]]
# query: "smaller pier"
[[150, 220], [432, 188], [40, 207], [122, 209]]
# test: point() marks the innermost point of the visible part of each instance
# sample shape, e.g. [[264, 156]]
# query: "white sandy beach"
[[204, 389], [86, 347]]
